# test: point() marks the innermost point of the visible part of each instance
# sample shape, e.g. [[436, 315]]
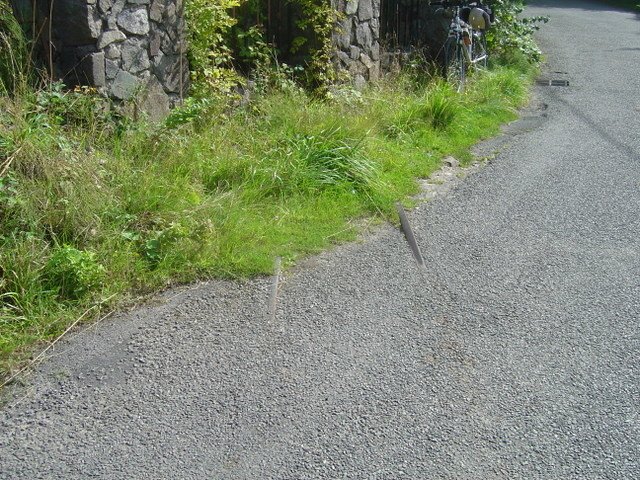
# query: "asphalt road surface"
[[516, 355]]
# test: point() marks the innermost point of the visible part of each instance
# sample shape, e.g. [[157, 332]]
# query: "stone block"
[[112, 67], [375, 28], [366, 61], [138, 2], [172, 32], [156, 11], [364, 38], [357, 68], [134, 21], [343, 34], [124, 86], [375, 51], [354, 52], [155, 41], [112, 52], [167, 69], [134, 54], [104, 5], [351, 7], [153, 101], [344, 58], [167, 45], [374, 71], [109, 37], [118, 6], [170, 13], [365, 10], [359, 82], [76, 22], [92, 70]]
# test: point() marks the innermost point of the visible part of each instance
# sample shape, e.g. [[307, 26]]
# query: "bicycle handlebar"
[[458, 3], [445, 3]]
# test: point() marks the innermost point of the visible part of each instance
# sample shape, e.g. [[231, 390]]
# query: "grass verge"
[[633, 5], [95, 210]]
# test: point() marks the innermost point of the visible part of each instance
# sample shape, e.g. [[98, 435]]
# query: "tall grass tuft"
[[441, 106], [15, 55], [436, 108], [326, 159]]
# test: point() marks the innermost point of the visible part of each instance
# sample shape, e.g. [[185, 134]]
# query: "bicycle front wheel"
[[479, 51], [455, 64]]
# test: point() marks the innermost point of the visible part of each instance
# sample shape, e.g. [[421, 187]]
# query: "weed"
[[72, 273]]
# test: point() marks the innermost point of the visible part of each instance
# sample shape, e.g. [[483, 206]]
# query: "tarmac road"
[[515, 355]]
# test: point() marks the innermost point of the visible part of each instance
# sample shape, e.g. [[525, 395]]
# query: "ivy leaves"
[[210, 57]]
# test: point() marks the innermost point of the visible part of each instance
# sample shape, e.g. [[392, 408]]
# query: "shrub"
[[210, 58], [72, 273], [512, 32]]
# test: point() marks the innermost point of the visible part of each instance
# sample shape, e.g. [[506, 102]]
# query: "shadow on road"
[[583, 5], [627, 150]]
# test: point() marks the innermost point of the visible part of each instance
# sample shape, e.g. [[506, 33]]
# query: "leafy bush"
[[511, 32], [72, 273], [192, 110], [210, 58], [81, 107]]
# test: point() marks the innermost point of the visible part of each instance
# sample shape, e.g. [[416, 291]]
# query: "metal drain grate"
[[552, 83]]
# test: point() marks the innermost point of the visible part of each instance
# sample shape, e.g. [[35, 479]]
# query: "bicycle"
[[466, 44]]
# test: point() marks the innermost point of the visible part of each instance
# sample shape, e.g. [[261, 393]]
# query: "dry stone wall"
[[122, 47], [130, 48], [357, 39]]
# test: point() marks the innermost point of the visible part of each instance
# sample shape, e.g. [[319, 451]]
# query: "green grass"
[[628, 4], [96, 210]]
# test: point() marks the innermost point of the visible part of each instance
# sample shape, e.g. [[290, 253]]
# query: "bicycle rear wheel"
[[455, 61]]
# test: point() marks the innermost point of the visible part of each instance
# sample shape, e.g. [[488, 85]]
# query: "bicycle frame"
[[464, 46]]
